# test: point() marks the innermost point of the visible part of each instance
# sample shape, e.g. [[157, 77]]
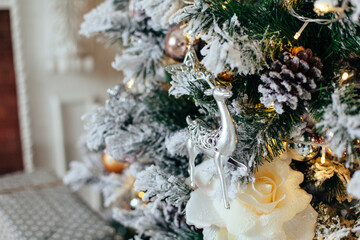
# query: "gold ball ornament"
[[176, 43], [113, 166], [226, 78]]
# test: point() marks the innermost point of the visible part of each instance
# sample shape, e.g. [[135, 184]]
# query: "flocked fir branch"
[[228, 46], [334, 230], [137, 126], [205, 15], [117, 189], [341, 121], [261, 131], [353, 187], [160, 11], [105, 19], [86, 172], [163, 215], [159, 186], [242, 39], [142, 39], [149, 221]]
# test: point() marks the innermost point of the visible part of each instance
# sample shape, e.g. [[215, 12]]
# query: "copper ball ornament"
[[113, 166], [176, 43]]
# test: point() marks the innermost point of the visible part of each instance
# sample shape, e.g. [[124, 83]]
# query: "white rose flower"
[[272, 206]]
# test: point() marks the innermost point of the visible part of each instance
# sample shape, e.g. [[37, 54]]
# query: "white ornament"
[[272, 206]]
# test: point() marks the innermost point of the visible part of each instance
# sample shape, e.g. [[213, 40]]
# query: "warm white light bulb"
[[141, 194], [321, 7], [322, 160], [131, 82], [297, 35], [223, 5], [344, 76]]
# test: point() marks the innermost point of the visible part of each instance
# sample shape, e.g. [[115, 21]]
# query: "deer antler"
[[202, 76], [192, 62], [212, 85]]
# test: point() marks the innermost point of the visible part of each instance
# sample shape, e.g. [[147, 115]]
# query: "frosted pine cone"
[[291, 78]]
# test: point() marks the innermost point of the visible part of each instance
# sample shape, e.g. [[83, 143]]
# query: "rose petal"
[[204, 176], [238, 219], [263, 189], [256, 206], [252, 216], [257, 234], [200, 211], [296, 199], [276, 170], [210, 233], [307, 220], [223, 234]]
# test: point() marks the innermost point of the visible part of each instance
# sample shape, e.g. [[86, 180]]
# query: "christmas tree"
[[234, 119]]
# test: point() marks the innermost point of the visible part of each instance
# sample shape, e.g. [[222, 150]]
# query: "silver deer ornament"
[[218, 144]]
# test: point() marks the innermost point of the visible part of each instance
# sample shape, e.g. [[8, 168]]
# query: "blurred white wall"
[[57, 100]]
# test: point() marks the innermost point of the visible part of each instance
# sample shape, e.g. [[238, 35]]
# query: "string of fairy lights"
[[321, 8]]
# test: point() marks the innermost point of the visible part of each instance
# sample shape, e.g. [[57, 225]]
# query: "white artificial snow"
[[163, 194], [159, 186], [339, 234], [116, 188], [272, 95], [143, 51], [78, 175], [176, 143], [147, 219], [353, 187], [111, 188], [139, 58], [298, 130], [336, 231], [105, 121], [197, 7], [235, 51], [135, 139], [223, 49], [180, 83], [102, 18], [123, 126], [356, 11], [88, 171], [342, 126], [160, 11]]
